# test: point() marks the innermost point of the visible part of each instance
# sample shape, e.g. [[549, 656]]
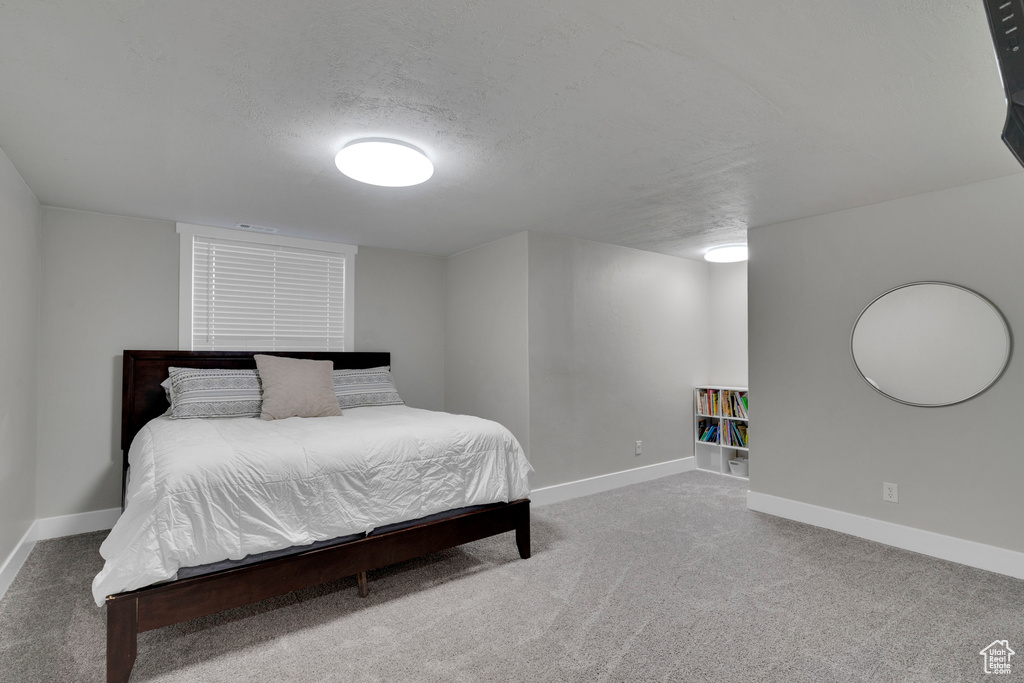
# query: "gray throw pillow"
[[208, 392], [296, 387], [365, 387]]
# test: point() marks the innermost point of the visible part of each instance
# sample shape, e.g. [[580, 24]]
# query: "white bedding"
[[203, 491]]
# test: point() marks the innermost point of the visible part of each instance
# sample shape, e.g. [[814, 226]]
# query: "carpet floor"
[[671, 580]]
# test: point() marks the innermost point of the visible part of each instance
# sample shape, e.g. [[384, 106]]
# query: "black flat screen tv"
[[1006, 19]]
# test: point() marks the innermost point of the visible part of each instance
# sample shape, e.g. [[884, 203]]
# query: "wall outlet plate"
[[890, 492]]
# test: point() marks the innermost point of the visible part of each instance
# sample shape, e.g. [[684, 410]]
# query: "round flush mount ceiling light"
[[727, 253], [388, 163]]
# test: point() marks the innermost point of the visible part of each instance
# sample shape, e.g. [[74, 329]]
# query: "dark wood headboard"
[[142, 397]]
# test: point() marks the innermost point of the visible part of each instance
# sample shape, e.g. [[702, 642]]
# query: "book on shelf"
[[739, 433], [734, 404], [710, 434], [708, 402], [729, 435]]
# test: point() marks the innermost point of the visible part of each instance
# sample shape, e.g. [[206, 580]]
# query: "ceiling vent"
[[257, 228]]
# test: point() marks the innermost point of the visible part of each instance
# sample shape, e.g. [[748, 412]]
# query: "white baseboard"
[[53, 527], [607, 482], [82, 523], [12, 565], [970, 553]]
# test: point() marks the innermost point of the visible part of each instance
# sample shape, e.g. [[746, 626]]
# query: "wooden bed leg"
[[523, 535], [364, 590], [122, 638]]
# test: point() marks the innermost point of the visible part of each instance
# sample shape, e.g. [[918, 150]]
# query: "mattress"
[[206, 491]]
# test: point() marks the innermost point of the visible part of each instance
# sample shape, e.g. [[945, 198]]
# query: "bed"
[[221, 587]]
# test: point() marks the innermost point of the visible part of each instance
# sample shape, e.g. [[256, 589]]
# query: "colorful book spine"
[[710, 434], [739, 438]]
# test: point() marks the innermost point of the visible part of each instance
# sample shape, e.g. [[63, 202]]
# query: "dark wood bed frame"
[[133, 612]]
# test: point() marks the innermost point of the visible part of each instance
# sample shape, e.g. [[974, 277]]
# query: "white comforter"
[[202, 491]]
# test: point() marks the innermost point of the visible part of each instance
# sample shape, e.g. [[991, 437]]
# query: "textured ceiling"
[[668, 125]]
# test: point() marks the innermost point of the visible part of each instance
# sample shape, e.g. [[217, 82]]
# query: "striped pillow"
[[209, 392], [367, 387]]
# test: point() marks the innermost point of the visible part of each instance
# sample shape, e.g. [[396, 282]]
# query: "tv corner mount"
[[1006, 20]]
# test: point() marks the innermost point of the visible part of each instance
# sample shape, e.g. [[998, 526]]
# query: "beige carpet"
[[673, 580]]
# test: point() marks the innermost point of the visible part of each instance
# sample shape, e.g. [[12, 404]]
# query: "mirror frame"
[[995, 309]]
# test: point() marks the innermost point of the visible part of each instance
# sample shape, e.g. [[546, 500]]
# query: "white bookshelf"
[[724, 409]]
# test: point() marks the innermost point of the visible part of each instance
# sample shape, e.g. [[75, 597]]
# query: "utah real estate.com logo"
[[997, 657]]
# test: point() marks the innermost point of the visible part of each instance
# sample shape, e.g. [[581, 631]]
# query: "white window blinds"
[[271, 297]]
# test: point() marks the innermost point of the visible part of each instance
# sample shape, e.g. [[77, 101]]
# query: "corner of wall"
[[526, 323], [485, 337], [20, 282]]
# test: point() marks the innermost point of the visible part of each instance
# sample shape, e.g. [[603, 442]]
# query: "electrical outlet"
[[639, 447], [890, 493]]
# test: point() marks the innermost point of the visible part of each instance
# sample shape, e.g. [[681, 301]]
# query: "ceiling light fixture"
[[388, 163], [727, 253]]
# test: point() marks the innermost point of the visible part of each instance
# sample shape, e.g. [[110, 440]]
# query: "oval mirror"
[[931, 344]]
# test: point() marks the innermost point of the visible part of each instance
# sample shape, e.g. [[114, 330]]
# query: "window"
[[242, 291]]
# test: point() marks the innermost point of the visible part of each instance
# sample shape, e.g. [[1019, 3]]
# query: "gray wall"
[[19, 314], [486, 361], [400, 308], [728, 324], [111, 283], [821, 434], [617, 340]]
